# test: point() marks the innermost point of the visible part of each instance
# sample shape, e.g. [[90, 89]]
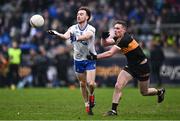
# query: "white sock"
[[86, 104]]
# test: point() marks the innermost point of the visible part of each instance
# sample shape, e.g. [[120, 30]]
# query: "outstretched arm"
[[106, 54], [64, 36]]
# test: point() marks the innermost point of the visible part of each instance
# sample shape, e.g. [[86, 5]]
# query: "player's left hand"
[[73, 38], [52, 32], [91, 56], [105, 35]]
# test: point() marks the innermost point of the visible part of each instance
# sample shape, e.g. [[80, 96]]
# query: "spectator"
[[14, 54], [156, 57], [3, 65]]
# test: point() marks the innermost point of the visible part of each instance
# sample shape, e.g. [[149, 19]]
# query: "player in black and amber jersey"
[[137, 67]]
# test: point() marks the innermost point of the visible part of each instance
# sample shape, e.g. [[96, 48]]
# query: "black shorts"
[[141, 71]]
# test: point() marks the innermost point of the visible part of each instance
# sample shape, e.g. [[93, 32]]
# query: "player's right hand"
[[52, 32], [105, 35]]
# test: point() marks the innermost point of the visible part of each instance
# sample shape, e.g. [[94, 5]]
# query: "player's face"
[[82, 16], [118, 30]]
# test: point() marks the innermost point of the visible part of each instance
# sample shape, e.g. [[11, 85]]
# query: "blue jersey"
[[82, 48]]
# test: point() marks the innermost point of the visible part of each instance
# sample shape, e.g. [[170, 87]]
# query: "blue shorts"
[[81, 66]]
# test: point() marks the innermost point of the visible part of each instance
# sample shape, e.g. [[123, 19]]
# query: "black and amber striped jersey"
[[131, 49]]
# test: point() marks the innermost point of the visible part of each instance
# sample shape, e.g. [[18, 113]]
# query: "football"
[[37, 21]]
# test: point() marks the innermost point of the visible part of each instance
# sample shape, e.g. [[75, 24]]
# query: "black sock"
[[114, 106]]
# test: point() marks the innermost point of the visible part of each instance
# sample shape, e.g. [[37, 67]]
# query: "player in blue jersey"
[[82, 36]]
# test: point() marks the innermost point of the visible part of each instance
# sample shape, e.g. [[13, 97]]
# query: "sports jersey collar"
[[83, 27]]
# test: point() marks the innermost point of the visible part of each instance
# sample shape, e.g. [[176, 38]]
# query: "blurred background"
[[29, 57]]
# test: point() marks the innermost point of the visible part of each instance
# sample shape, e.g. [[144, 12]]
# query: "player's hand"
[[52, 32], [73, 38], [91, 56], [105, 35]]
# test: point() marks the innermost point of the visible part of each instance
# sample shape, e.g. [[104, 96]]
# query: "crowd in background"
[[43, 60]]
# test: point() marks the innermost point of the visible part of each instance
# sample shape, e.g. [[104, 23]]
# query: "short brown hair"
[[122, 22], [87, 11]]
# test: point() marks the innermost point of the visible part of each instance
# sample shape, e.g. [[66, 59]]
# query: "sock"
[[91, 97], [158, 91], [87, 107], [86, 104], [114, 106]]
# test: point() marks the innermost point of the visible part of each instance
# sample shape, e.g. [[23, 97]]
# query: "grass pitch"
[[67, 104]]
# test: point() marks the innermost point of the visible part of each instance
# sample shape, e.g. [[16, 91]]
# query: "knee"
[[118, 86], [92, 84], [82, 84]]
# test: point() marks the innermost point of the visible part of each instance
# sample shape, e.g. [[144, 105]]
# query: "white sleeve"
[[92, 29], [71, 29]]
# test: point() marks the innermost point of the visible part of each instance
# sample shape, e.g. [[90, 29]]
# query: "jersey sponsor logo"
[[78, 56], [84, 43], [77, 32]]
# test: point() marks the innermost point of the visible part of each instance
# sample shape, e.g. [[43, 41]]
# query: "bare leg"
[[91, 80], [122, 80], [145, 90], [83, 87]]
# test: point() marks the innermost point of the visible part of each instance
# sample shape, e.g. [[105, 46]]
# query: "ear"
[[87, 17]]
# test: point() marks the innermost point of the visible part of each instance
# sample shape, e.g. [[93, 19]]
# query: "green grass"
[[66, 104]]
